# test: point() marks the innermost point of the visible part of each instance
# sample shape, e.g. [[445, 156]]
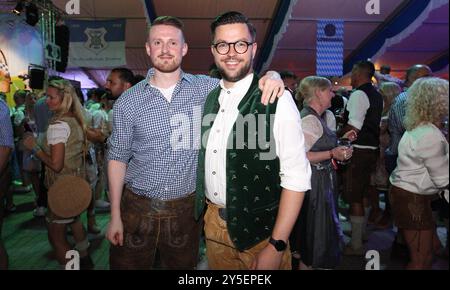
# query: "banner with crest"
[[97, 44]]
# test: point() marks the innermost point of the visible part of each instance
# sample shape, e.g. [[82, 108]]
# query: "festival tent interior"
[[82, 40], [396, 32]]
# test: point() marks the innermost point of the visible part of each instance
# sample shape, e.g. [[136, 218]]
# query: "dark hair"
[[232, 17], [138, 78], [20, 94], [125, 74], [366, 67], [385, 68], [90, 92], [97, 92], [287, 75], [410, 73]]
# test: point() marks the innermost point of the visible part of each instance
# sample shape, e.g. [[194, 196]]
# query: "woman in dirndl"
[[62, 153], [320, 233]]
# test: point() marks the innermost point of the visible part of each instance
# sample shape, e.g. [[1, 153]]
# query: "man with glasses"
[[252, 170], [152, 157]]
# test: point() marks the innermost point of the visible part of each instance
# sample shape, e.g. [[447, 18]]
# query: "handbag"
[[70, 195]]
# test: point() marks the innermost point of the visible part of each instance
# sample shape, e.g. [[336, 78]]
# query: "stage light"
[[19, 8]]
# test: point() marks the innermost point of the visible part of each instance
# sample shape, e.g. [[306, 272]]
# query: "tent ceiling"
[[296, 50]]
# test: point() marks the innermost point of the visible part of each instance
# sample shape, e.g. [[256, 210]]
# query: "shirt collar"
[[151, 73], [240, 86]]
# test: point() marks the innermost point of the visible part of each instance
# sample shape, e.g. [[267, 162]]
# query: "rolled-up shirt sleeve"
[[357, 106], [120, 141], [295, 170]]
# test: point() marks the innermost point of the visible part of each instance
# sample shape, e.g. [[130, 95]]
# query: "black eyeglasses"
[[240, 46]]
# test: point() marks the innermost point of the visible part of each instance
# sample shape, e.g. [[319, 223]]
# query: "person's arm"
[[270, 84], [387, 78], [339, 153], [119, 154], [290, 204], [312, 129], [5, 152], [57, 136], [95, 135], [54, 161], [6, 136], [433, 150], [272, 87], [295, 173], [116, 177], [395, 124]]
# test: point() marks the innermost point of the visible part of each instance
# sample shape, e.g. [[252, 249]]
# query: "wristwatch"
[[279, 245]]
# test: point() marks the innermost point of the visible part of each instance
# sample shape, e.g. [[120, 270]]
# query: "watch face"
[[278, 244]]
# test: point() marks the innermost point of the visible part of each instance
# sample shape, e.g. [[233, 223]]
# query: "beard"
[[239, 75], [166, 65]]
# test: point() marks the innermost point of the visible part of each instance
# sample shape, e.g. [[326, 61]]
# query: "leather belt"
[[223, 213]]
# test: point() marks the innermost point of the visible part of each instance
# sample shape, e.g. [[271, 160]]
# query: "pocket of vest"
[[268, 207]]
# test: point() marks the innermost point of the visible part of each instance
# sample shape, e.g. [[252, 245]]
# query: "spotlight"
[[19, 8]]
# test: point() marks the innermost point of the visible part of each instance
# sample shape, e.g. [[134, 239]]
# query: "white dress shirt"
[[422, 164], [295, 170]]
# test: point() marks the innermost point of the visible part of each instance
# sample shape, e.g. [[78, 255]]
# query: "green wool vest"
[[253, 183]]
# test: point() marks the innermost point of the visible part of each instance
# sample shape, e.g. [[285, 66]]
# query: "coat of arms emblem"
[[96, 39]]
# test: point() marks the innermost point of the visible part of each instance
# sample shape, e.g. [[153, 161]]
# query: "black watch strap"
[[279, 245]]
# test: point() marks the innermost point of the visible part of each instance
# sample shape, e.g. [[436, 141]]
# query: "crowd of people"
[[254, 166]]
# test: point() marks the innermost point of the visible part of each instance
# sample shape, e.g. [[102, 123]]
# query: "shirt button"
[[216, 194], [218, 131], [215, 151], [223, 110], [213, 173], [228, 92]]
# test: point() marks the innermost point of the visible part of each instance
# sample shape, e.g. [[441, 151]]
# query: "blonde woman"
[[422, 168], [62, 153], [380, 178], [320, 235]]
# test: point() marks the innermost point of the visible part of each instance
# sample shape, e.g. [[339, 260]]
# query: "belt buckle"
[[223, 213]]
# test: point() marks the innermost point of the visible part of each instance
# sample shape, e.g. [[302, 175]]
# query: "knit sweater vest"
[[253, 184]]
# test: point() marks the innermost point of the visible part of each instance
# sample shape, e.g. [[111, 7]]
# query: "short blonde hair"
[[427, 102], [389, 90], [307, 87]]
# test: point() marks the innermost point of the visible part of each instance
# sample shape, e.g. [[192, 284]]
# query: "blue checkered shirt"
[[6, 130], [158, 140], [395, 123]]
